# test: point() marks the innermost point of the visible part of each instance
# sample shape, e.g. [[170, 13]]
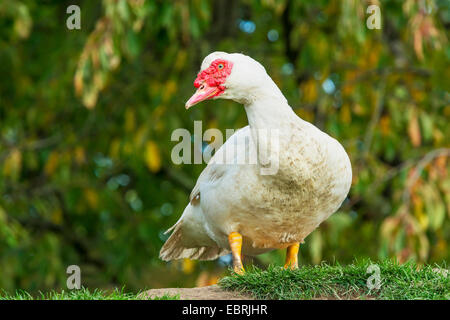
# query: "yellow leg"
[[235, 241], [291, 256]]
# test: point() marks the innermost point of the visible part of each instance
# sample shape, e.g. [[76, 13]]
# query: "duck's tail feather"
[[174, 248]]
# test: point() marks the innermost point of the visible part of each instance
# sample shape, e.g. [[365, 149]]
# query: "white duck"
[[302, 175]]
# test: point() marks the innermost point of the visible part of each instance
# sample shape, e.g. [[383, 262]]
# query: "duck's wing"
[[235, 152], [189, 238]]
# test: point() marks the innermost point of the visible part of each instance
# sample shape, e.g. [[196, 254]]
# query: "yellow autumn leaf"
[[373, 55], [418, 95], [418, 209], [91, 198], [321, 46], [418, 39], [206, 278], [180, 62], [305, 114], [13, 164], [346, 114], [424, 246], [389, 225], [114, 148], [441, 165], [188, 266], [441, 245], [152, 156], [23, 21], [154, 87], [358, 109], [78, 82], [414, 130], [90, 97], [213, 280], [438, 136], [99, 80], [140, 136], [309, 90], [159, 111], [169, 90], [52, 163], [79, 154], [130, 120], [423, 220], [385, 125], [57, 216], [447, 111], [213, 124]]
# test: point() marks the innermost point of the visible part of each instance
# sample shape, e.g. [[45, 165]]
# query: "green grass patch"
[[81, 294], [398, 281]]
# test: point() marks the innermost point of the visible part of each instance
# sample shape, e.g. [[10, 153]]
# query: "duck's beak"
[[204, 92]]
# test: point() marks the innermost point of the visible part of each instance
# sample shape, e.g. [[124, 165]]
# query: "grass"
[[82, 294], [399, 282]]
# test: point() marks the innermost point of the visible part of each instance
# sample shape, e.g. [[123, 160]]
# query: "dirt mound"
[[202, 293]]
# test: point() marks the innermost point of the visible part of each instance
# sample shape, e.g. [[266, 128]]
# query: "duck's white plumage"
[[269, 210]]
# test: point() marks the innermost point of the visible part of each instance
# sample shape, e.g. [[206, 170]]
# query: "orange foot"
[[291, 256], [235, 241]]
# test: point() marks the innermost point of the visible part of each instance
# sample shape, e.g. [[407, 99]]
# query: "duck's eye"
[[220, 66]]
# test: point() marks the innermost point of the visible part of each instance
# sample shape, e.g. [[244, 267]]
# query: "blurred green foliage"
[[86, 120]]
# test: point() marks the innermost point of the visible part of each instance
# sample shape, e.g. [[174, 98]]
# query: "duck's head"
[[232, 76]]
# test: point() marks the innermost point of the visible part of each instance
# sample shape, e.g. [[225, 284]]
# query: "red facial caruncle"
[[210, 82]]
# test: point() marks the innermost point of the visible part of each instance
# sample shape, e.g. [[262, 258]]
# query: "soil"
[[213, 292]]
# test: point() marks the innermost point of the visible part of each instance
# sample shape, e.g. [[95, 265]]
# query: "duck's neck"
[[269, 112], [270, 119]]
